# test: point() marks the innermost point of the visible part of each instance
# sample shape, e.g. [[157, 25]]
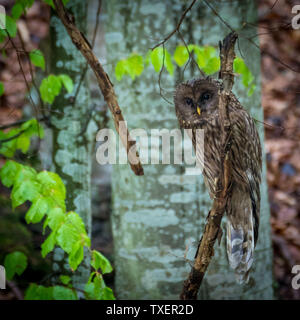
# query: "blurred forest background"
[[281, 105]]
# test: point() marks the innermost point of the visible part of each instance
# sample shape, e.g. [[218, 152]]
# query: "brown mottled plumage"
[[245, 155]]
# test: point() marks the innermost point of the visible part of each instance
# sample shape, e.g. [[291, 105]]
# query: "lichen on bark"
[[72, 149]]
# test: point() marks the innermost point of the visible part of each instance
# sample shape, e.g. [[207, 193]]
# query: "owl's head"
[[196, 101]]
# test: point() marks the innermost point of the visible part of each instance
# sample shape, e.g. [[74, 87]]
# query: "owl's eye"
[[189, 101], [205, 96]]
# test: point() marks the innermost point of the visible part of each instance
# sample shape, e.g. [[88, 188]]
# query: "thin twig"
[[177, 27], [250, 40], [190, 56], [17, 123], [104, 83], [15, 289], [159, 77], [12, 137], [31, 73], [35, 109]]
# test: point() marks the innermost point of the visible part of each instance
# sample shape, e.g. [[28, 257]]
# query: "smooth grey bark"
[[156, 216], [72, 148]]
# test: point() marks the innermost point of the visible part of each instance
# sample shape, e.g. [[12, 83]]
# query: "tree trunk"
[[72, 148], [156, 216]]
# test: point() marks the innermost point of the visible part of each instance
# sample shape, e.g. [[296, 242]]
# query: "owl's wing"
[[244, 203], [246, 160]]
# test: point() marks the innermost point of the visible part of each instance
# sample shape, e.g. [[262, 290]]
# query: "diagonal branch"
[[104, 83], [213, 225]]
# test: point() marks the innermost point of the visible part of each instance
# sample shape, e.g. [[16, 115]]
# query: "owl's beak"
[[199, 111]]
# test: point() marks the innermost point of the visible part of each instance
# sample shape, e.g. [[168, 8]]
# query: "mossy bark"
[[72, 145]]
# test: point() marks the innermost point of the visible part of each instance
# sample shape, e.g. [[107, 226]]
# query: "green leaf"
[[32, 127], [63, 293], [50, 88], [160, 56], [25, 173], [148, 58], [181, 55], [25, 186], [20, 137], [37, 210], [75, 220], [9, 172], [26, 4], [157, 58], [200, 56], [23, 143], [107, 294], [207, 58], [76, 255], [15, 263], [67, 236], [65, 279], [36, 292], [240, 67], [132, 66], [37, 58], [252, 89], [52, 186], [67, 82], [1, 89], [27, 190], [11, 26], [120, 69], [56, 217], [99, 261], [17, 11], [8, 148], [50, 2], [94, 289], [49, 244], [135, 65], [212, 66]]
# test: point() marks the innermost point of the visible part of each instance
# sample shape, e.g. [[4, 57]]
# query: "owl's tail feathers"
[[240, 248]]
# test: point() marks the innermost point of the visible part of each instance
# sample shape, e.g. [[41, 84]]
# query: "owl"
[[196, 105]]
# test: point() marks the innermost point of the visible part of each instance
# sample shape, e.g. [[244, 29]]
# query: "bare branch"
[[104, 83], [93, 43], [213, 225]]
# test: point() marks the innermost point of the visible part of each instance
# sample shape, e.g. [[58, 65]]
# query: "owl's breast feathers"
[[245, 153]]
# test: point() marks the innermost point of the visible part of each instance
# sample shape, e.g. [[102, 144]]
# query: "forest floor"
[[280, 101], [281, 104]]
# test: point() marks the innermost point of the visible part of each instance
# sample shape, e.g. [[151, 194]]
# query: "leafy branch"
[[47, 193], [206, 58]]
